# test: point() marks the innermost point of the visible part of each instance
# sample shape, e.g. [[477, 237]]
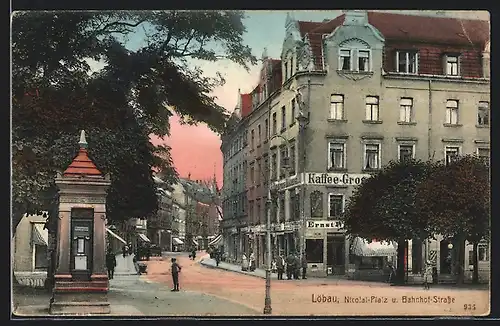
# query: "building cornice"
[[441, 78]]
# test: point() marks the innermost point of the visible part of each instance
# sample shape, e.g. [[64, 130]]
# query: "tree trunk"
[[459, 259], [400, 272], [475, 275]]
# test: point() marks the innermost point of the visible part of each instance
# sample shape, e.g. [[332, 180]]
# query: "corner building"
[[374, 87]]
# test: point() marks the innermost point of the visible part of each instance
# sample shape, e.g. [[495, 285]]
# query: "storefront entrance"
[[335, 254]]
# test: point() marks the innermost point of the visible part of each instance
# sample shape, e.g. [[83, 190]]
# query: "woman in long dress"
[[244, 263], [427, 275], [252, 262]]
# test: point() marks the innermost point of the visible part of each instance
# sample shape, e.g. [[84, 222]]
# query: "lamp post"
[[285, 165]]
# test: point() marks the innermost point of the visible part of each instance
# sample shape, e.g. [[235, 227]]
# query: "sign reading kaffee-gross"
[[326, 179]]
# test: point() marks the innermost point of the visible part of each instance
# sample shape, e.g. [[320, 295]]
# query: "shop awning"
[[177, 241], [361, 247], [40, 236], [216, 242], [144, 238], [195, 242], [116, 236]]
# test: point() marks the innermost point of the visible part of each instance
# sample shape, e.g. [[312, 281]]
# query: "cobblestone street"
[[315, 296]]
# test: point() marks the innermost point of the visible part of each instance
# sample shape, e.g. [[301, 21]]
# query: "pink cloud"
[[195, 150]]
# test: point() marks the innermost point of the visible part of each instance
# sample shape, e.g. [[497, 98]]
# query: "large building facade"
[[373, 87]]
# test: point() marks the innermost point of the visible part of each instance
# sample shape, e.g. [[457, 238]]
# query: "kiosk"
[[81, 281]]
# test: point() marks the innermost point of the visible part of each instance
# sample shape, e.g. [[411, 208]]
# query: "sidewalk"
[[259, 272]]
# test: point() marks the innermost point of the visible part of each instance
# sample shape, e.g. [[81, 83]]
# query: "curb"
[[201, 262]]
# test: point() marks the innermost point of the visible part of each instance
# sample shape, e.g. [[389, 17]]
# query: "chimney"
[[356, 18], [486, 60]]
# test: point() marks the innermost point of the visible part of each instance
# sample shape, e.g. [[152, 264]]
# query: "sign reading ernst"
[[325, 224], [341, 179]]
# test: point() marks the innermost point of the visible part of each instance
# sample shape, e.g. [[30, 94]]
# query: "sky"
[[196, 149]]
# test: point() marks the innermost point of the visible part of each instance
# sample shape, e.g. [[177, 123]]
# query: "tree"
[[55, 95], [383, 207], [456, 200]]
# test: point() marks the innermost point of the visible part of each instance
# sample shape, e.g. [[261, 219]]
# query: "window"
[[293, 112], [292, 159], [283, 161], [336, 157], [259, 213], [252, 176], [283, 117], [405, 110], [41, 261], [259, 172], [275, 124], [484, 153], [345, 60], [483, 254], [372, 156], [266, 135], [291, 206], [363, 60], [266, 170], [314, 250], [291, 65], [336, 205], [483, 114], [451, 112], [372, 108], [282, 208], [337, 107], [407, 62], [250, 210], [451, 65], [259, 133], [406, 152], [274, 162], [451, 153], [252, 139], [286, 72]]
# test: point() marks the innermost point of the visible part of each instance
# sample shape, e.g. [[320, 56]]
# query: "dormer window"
[[451, 65], [407, 62], [364, 60], [357, 60], [286, 71]]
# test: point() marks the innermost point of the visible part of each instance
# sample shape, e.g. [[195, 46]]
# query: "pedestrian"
[[130, 249], [252, 262], [124, 250], [176, 269], [304, 265], [296, 270], [280, 266], [273, 266], [290, 266], [110, 263], [427, 275], [193, 253], [244, 263], [392, 272], [217, 257]]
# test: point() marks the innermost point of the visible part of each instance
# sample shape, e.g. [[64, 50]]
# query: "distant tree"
[[383, 207], [456, 200]]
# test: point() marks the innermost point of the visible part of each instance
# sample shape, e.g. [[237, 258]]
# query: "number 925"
[[470, 306]]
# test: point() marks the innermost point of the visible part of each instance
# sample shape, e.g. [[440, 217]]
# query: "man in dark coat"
[[304, 265], [280, 266], [290, 266], [176, 269], [110, 263], [296, 270]]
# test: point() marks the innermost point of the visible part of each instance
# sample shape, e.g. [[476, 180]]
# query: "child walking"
[[427, 275]]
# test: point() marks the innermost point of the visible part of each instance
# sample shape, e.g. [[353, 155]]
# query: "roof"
[[246, 104], [82, 165], [413, 28]]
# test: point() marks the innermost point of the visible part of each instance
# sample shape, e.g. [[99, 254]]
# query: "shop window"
[[314, 250]]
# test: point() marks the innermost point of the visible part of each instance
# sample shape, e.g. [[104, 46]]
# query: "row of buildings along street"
[[347, 96], [188, 217]]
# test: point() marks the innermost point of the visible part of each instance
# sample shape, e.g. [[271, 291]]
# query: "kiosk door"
[[82, 225]]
